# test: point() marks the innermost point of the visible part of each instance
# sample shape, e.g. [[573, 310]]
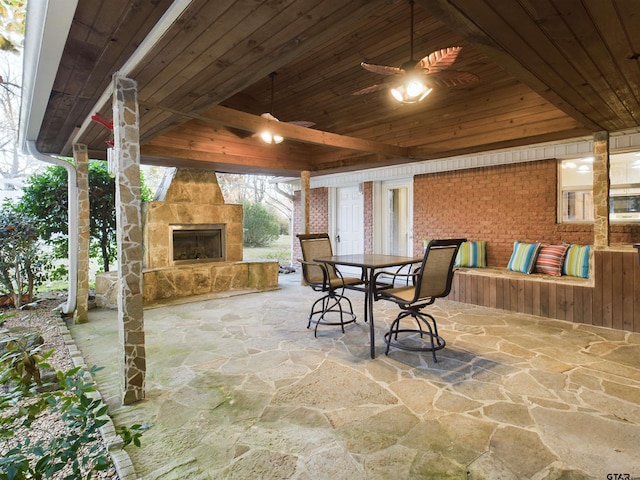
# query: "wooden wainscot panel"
[[610, 299], [636, 294], [607, 292], [598, 316], [544, 299], [616, 290], [628, 291]]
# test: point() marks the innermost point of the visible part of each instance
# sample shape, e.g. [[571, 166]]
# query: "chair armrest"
[[325, 272], [379, 285], [395, 275]]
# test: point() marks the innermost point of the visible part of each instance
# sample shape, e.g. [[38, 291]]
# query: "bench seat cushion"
[[502, 272]]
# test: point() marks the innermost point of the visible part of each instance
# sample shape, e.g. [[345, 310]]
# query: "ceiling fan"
[[416, 79], [266, 135]]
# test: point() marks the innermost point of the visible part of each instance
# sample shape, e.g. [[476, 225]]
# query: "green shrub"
[[21, 261], [260, 226], [25, 397]]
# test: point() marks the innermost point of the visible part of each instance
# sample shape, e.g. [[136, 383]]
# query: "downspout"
[[70, 306]]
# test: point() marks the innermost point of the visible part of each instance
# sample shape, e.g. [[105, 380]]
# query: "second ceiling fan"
[[416, 79], [266, 135]]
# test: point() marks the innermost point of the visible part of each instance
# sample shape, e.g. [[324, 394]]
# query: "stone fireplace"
[[188, 204], [192, 244], [197, 243]]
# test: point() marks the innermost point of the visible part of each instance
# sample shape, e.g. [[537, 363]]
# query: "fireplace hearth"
[[197, 243]]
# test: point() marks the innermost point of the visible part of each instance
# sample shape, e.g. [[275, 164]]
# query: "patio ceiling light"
[[413, 88]]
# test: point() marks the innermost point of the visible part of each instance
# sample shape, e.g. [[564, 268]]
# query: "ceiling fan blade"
[[451, 78], [382, 69], [302, 123], [372, 88], [438, 60], [239, 133]]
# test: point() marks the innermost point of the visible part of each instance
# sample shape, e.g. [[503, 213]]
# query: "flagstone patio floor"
[[237, 387]]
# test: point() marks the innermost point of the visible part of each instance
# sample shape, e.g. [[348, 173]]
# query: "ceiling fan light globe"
[[270, 138], [426, 92], [414, 88], [411, 92]]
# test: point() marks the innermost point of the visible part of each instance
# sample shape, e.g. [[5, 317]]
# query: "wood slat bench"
[[537, 294], [609, 298]]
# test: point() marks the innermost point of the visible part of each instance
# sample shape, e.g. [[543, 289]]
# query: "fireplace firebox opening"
[[197, 243]]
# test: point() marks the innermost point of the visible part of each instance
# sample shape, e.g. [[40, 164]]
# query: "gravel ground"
[[43, 319]]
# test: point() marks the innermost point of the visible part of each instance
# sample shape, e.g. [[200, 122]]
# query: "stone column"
[[81, 157], [306, 200], [129, 236], [601, 190]]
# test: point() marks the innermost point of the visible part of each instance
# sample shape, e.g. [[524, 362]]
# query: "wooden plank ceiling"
[[548, 70]]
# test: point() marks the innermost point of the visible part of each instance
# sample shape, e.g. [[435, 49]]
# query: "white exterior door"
[[396, 212], [349, 222]]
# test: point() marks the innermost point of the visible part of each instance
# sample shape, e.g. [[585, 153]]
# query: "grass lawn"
[[279, 250]]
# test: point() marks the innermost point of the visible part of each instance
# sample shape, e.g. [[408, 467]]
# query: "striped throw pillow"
[[472, 254], [576, 261], [550, 259], [523, 257]]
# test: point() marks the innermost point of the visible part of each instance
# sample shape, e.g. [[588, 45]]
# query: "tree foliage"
[[12, 16], [249, 188], [46, 198], [20, 259], [260, 226]]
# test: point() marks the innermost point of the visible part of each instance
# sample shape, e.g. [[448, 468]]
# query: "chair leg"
[[314, 312], [331, 304], [422, 319]]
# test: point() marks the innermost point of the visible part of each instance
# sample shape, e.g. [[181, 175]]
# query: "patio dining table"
[[369, 263]]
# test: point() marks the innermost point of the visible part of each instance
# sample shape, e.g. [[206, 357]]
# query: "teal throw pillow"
[[523, 258], [472, 254], [576, 261]]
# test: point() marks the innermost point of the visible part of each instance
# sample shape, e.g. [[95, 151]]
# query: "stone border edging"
[[119, 457]]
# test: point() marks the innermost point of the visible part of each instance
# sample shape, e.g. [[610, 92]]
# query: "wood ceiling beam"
[[223, 162], [252, 123]]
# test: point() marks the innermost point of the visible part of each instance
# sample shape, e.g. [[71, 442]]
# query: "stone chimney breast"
[[189, 197]]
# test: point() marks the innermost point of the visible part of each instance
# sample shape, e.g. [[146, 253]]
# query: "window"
[[576, 189]]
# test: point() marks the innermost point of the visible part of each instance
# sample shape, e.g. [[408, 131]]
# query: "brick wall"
[[318, 217], [367, 210], [498, 204]]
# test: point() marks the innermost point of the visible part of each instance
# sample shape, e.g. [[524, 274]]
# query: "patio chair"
[[333, 308], [430, 281]]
